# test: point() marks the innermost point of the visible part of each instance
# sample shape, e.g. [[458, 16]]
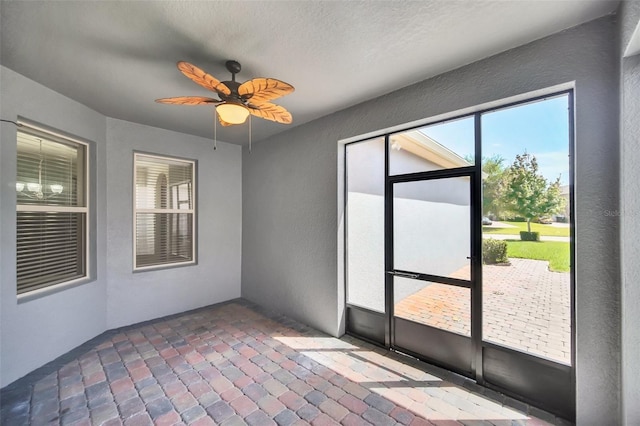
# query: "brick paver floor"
[[525, 306], [236, 364]]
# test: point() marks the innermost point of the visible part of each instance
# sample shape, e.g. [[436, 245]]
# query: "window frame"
[[192, 211], [86, 210], [370, 326]]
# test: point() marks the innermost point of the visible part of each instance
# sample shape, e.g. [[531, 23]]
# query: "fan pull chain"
[[249, 134], [215, 130]]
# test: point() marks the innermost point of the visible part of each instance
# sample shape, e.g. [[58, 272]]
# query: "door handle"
[[403, 274]]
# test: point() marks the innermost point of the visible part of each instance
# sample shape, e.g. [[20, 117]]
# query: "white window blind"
[[164, 211], [51, 211]]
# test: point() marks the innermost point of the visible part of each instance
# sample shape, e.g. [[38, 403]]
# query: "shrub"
[[494, 251], [529, 236]]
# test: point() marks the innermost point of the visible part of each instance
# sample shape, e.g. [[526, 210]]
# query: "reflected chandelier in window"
[[36, 190]]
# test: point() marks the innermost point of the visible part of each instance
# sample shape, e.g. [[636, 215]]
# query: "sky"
[[539, 128]]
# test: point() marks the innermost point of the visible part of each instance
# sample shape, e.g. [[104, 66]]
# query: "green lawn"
[[522, 226], [557, 253]]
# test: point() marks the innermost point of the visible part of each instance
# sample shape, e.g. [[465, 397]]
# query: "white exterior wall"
[[426, 213]]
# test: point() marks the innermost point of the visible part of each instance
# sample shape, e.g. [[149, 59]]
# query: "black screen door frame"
[[544, 383], [452, 351]]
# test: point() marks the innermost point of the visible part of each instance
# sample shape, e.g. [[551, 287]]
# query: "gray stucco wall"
[[630, 215], [630, 195], [139, 296], [37, 331], [292, 208]]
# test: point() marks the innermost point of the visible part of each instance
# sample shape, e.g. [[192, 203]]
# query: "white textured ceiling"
[[117, 57]]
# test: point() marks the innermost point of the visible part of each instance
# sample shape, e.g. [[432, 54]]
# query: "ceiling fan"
[[237, 100]]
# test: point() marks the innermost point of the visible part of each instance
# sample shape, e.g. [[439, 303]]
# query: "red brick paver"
[[525, 306], [237, 364]]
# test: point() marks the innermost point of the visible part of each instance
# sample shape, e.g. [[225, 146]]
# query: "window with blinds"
[[51, 211], [164, 211]]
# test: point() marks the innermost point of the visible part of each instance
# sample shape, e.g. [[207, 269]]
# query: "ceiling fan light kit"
[[232, 113], [237, 101]]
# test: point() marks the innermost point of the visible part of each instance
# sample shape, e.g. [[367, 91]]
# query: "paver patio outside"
[[525, 306]]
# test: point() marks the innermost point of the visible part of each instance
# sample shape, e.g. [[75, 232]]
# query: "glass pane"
[[440, 146], [49, 172], [163, 183], [439, 305], [163, 238], [527, 292], [50, 248], [181, 196], [431, 227], [365, 224]]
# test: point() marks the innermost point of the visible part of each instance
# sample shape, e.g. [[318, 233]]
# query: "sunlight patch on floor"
[[405, 385]]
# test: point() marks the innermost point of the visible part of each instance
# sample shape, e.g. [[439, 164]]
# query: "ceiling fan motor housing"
[[233, 86], [234, 67]]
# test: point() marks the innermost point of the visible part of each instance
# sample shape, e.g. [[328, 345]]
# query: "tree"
[[493, 175], [527, 193], [493, 185]]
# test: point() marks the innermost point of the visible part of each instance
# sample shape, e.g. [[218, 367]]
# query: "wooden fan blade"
[[202, 78], [261, 90], [272, 112], [188, 100]]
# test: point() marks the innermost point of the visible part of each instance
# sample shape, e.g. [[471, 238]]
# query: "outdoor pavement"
[[236, 364], [526, 307]]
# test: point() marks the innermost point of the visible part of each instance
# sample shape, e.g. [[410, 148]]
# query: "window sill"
[[164, 266], [47, 291]]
